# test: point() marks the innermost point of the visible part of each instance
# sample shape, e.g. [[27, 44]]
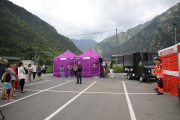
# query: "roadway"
[[58, 98]]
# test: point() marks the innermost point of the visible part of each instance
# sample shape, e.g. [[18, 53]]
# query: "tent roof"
[[89, 53], [67, 54], [169, 50]]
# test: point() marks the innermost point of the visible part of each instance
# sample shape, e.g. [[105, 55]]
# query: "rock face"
[[152, 36], [83, 43], [18, 30]]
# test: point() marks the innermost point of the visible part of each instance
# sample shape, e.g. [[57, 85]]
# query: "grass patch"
[[118, 69], [49, 69]]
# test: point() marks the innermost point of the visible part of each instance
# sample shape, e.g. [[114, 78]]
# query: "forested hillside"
[[18, 30], [154, 35]]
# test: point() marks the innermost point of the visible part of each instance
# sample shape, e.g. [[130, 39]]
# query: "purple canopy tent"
[[63, 59], [90, 64]]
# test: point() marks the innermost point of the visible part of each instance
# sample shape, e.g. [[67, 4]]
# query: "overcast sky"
[[74, 17]]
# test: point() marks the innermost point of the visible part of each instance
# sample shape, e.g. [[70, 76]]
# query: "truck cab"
[[139, 65]]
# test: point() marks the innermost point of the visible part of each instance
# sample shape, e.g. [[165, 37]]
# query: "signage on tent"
[[63, 58], [94, 65], [71, 58], [168, 51], [86, 58]]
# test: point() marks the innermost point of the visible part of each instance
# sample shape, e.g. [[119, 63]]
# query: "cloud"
[[74, 17]]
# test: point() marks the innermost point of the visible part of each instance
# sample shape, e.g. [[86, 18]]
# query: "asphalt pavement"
[[58, 98]]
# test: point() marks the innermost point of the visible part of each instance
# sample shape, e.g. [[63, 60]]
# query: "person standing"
[[2, 71], [105, 71], [62, 71], [21, 76], [160, 76], [34, 68], [70, 69], [6, 78], [39, 71], [111, 70], [12, 73], [79, 73], [155, 72], [16, 83], [75, 70], [29, 72]]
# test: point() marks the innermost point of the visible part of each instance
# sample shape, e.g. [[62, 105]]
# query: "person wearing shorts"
[[6, 78]]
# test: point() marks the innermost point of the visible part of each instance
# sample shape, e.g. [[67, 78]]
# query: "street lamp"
[[175, 31]]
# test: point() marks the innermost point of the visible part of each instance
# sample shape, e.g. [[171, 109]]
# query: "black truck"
[[139, 65]]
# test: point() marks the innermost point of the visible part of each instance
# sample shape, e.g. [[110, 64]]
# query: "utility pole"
[[116, 47], [175, 31], [35, 50]]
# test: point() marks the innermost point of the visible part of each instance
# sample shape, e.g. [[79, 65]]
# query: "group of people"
[[111, 70], [13, 78], [34, 69], [76, 69], [158, 72]]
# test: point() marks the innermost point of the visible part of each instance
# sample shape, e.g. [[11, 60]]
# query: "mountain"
[[19, 29], [83, 43], [151, 36]]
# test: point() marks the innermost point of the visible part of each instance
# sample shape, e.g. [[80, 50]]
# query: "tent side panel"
[[170, 66], [65, 64], [173, 85], [56, 67], [90, 67], [94, 67]]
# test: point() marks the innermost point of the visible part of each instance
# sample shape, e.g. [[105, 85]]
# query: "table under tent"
[[63, 59], [171, 65], [91, 67]]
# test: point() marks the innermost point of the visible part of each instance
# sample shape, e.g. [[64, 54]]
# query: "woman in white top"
[[21, 76], [34, 68]]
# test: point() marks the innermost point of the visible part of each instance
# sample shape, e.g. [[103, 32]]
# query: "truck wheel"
[[128, 76], [141, 78]]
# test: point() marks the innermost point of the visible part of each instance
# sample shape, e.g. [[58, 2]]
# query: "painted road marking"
[[63, 91], [103, 93], [133, 117], [62, 107], [33, 94], [37, 83]]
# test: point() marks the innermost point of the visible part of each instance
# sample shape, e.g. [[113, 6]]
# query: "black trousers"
[[160, 82], [79, 77], [22, 82], [34, 75], [75, 73]]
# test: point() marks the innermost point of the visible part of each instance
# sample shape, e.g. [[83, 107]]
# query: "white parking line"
[[104, 93], [33, 94], [96, 81], [133, 117], [64, 91], [38, 83], [62, 107]]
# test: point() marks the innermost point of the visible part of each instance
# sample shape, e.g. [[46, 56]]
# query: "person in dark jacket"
[[3, 67], [2, 71], [79, 73]]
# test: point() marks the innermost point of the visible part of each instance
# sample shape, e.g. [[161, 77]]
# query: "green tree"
[[113, 61]]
